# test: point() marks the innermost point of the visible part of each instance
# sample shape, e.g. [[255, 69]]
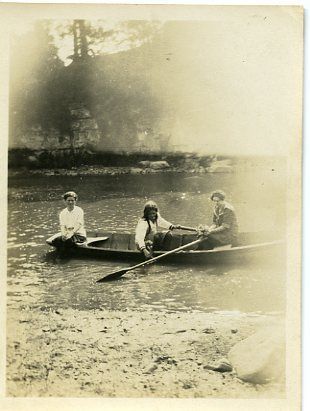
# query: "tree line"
[[43, 89]]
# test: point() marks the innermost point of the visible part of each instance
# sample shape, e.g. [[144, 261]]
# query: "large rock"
[[260, 358], [144, 163], [135, 170], [159, 165], [33, 160]]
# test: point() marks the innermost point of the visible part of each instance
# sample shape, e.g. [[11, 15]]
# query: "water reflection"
[[38, 278]]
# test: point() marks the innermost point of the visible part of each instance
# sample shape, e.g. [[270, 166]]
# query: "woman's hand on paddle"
[[181, 227], [203, 230], [147, 254]]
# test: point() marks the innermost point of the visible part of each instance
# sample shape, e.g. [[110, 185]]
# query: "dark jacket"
[[226, 220]]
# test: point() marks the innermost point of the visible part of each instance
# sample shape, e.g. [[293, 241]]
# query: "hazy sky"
[[235, 86]]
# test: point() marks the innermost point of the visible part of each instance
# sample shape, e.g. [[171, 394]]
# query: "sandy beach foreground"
[[127, 354]]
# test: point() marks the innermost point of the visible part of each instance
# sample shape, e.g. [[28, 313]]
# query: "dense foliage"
[[37, 84], [43, 91]]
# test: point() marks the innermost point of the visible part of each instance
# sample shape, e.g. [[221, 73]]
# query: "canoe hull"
[[120, 246]]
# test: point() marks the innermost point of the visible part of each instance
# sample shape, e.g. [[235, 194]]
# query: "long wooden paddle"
[[122, 271], [181, 227]]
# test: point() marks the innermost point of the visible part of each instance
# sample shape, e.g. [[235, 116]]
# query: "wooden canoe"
[[121, 246]]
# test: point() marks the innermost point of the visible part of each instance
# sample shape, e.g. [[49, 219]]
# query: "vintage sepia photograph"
[[152, 200]]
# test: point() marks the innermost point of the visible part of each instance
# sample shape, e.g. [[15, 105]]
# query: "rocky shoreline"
[[99, 353], [68, 162], [122, 165], [151, 168]]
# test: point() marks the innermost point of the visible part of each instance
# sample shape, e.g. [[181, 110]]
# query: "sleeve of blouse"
[[162, 223], [141, 230], [80, 220], [227, 218], [62, 223], [214, 219]]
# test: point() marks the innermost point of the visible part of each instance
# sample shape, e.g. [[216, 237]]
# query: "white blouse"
[[143, 227], [72, 222]]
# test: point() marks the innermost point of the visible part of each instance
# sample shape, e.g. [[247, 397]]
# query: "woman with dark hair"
[[147, 237], [224, 228]]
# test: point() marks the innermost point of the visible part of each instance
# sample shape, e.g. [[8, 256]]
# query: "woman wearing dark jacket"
[[224, 228]]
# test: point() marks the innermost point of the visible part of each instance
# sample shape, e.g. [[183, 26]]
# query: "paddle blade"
[[113, 276]]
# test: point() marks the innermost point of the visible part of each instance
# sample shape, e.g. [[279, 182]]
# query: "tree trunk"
[[75, 40], [80, 40], [83, 40]]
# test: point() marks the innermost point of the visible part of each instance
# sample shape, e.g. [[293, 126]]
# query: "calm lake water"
[[116, 202]]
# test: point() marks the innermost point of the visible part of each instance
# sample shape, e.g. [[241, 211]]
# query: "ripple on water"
[[14, 245]]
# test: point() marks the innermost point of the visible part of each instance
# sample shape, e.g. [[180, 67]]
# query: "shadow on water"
[[55, 257]]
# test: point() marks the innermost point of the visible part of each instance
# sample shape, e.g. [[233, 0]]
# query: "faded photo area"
[[175, 133]]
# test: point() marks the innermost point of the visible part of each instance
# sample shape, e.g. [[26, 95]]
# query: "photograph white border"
[[162, 404]]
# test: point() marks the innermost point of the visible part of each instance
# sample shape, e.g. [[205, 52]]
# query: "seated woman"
[[147, 237], [71, 221], [224, 228]]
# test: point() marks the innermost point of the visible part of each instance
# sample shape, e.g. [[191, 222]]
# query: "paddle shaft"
[[122, 271], [181, 227], [152, 260]]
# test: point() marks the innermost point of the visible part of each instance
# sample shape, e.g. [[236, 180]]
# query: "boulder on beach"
[[260, 358]]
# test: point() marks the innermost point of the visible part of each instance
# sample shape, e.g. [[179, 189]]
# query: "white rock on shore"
[[260, 358]]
